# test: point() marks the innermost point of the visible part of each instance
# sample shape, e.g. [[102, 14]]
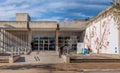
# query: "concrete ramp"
[[43, 57]]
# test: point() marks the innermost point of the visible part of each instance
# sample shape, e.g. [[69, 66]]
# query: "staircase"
[[43, 57], [4, 58]]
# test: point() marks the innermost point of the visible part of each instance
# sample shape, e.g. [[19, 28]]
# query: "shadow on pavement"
[[21, 59], [50, 67]]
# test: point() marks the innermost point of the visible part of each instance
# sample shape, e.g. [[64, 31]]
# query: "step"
[[4, 59]]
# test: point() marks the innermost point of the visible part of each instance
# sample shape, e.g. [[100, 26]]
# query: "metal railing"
[[67, 50], [16, 50]]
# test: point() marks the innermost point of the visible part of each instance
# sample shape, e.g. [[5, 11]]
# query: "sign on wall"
[[80, 47]]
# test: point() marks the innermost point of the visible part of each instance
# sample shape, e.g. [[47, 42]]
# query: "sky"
[[52, 10]]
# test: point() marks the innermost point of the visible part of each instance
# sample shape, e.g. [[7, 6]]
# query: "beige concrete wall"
[[13, 58], [43, 25], [22, 17], [77, 25], [69, 33], [66, 59], [43, 33], [13, 24]]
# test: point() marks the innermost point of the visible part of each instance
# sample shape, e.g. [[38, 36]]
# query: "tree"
[[116, 6]]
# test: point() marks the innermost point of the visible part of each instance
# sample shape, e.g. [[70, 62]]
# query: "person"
[[32, 44], [61, 50], [89, 50]]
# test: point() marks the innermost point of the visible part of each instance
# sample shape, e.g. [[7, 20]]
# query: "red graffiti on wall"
[[99, 35], [103, 41]]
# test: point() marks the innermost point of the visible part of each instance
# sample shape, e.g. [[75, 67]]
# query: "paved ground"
[[38, 67], [61, 68]]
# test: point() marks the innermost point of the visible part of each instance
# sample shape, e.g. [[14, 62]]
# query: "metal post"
[[43, 45], [38, 44]]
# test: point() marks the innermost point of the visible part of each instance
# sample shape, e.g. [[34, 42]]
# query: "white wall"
[[103, 36]]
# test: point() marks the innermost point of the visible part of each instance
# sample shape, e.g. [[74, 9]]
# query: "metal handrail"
[[16, 50]]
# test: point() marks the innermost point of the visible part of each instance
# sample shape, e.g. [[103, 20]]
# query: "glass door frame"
[[44, 43], [41, 48]]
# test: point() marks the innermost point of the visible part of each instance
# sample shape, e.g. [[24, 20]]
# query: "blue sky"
[[52, 10]]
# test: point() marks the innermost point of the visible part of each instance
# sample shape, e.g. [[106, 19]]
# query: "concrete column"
[[56, 39], [29, 38], [2, 40]]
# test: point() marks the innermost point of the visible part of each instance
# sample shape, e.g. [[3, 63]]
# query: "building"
[[102, 34], [24, 35]]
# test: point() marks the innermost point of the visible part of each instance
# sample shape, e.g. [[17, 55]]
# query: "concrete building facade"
[[100, 34], [24, 35]]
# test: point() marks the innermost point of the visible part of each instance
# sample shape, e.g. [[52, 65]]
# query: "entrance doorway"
[[43, 43]]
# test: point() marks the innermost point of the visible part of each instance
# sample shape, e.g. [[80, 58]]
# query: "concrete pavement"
[[61, 68]]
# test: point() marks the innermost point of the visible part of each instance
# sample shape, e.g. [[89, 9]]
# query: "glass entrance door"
[[44, 43], [40, 45]]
